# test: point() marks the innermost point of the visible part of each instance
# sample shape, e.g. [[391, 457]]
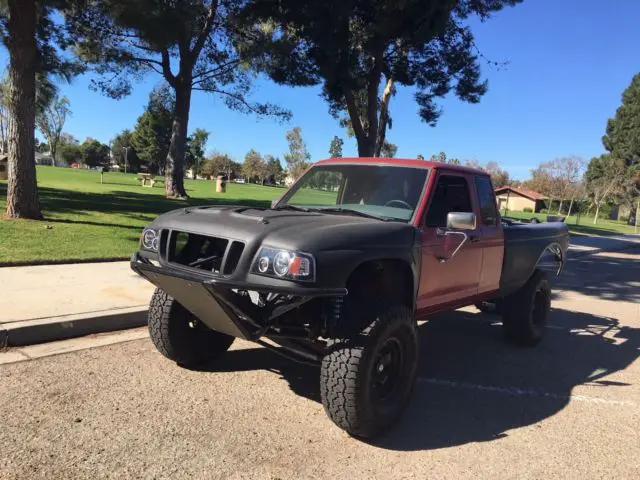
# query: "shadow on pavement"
[[613, 277], [461, 353]]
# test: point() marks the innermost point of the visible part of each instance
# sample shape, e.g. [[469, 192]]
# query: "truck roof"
[[401, 163]]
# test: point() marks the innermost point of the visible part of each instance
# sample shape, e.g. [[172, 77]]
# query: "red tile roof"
[[525, 192]]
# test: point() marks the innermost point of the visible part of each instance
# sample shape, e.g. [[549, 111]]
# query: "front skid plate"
[[200, 299]]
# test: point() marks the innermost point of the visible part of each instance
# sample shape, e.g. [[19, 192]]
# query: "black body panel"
[[525, 245]]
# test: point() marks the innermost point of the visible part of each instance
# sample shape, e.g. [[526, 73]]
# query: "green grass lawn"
[[583, 225], [86, 220]]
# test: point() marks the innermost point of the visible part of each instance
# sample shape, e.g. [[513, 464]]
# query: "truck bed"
[[525, 245]]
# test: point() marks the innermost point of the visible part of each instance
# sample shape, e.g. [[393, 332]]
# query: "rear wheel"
[[180, 336], [366, 380], [525, 313]]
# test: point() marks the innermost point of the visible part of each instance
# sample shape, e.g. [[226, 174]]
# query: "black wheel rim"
[[387, 369]]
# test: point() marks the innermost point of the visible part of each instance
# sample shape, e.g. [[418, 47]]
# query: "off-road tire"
[[525, 312], [349, 383], [180, 336]]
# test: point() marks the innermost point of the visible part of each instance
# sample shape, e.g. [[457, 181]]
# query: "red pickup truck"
[[338, 270]]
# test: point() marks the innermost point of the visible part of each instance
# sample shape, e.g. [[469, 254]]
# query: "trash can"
[[221, 184]]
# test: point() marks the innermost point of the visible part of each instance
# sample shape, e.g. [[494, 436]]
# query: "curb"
[[42, 330]]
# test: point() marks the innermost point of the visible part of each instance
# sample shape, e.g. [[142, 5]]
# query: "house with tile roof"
[[520, 199]]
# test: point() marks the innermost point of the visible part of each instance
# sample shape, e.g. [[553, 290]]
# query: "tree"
[[4, 114], [274, 170], [196, 144], [94, 153], [420, 157], [442, 158], [499, 177], [69, 149], [51, 121], [604, 180], [298, 157], [153, 132], [439, 158], [388, 150], [568, 172], [622, 139], [361, 51], [123, 152], [254, 166], [335, 149], [33, 40], [125, 40]]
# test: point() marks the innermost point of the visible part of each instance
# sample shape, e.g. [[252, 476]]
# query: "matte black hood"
[[308, 231]]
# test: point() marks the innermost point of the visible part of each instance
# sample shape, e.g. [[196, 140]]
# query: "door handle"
[[474, 238]]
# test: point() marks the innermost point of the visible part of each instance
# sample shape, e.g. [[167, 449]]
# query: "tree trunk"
[[174, 171], [22, 189], [53, 149], [570, 207], [560, 207], [637, 215], [384, 116], [595, 219]]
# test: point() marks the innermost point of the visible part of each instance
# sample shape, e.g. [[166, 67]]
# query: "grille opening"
[[197, 251], [233, 257]]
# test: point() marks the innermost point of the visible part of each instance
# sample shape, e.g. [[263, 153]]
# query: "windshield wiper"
[[287, 206], [349, 211]]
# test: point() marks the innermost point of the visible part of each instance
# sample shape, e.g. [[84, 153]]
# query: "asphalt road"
[[569, 408]]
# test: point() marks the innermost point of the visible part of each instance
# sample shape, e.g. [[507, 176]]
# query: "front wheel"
[[180, 336], [366, 380], [525, 313]]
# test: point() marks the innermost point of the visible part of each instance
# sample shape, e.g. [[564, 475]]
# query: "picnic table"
[[149, 179]]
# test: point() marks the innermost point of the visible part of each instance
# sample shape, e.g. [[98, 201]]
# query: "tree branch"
[[233, 63], [206, 30], [166, 68], [372, 95], [356, 123]]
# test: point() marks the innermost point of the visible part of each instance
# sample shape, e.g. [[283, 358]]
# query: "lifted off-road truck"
[[338, 271]]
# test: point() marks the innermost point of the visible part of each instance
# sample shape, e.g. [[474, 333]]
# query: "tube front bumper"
[[212, 300]]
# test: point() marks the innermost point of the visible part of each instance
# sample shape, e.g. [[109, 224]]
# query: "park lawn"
[[86, 220], [583, 225]]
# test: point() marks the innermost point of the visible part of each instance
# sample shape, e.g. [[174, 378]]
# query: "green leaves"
[[152, 134], [352, 46]]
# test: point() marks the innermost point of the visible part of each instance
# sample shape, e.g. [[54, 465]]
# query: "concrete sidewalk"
[[54, 302], [44, 303]]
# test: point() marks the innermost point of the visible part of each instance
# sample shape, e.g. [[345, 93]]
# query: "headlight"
[[150, 239], [285, 264]]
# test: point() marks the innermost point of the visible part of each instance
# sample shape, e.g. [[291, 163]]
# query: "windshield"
[[383, 191]]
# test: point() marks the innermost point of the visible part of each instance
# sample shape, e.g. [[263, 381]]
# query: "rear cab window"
[[486, 202]]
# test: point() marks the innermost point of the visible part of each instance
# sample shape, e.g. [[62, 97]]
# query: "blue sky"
[[569, 62]]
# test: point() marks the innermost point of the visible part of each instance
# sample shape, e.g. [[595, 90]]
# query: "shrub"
[[527, 210], [544, 210]]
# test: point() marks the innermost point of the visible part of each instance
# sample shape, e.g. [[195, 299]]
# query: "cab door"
[[491, 237], [445, 284]]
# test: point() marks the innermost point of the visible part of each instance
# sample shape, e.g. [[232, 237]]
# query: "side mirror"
[[457, 224], [461, 221]]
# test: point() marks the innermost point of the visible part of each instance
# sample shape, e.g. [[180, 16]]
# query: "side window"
[[487, 201], [451, 195]]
